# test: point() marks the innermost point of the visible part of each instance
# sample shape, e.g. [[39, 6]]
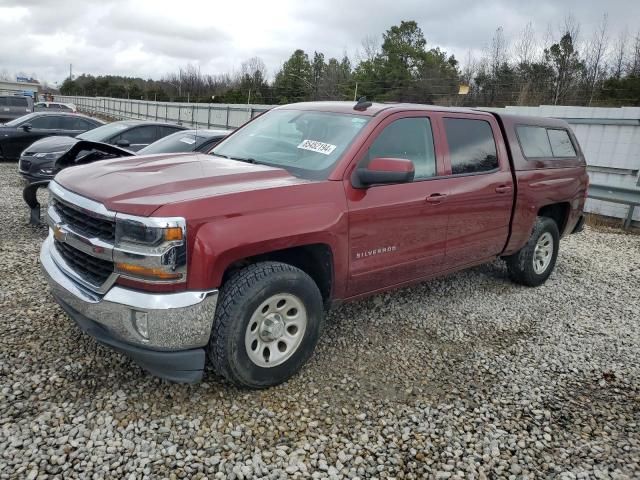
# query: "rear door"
[[480, 188], [72, 125], [395, 233]]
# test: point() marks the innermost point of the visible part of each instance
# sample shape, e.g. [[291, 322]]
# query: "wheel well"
[[558, 212], [315, 260]]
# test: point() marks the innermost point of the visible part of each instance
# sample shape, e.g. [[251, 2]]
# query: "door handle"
[[436, 198], [504, 189]]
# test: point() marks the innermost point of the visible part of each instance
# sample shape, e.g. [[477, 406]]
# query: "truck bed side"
[[550, 186]]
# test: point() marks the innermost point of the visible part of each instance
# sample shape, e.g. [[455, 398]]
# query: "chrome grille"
[[84, 223], [91, 269]]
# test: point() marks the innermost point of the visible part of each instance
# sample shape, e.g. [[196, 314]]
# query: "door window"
[[163, 131], [138, 135], [45, 122], [409, 138], [472, 148]]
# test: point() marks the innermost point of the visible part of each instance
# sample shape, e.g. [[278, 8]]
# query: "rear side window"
[[3, 101], [561, 145], [472, 148], [541, 142]]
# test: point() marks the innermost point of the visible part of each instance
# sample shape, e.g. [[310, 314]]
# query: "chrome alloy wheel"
[[276, 330], [543, 253]]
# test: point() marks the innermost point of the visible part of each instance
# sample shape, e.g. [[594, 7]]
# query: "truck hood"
[[52, 144], [140, 185]]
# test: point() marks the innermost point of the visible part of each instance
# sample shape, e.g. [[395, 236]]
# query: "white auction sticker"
[[188, 140], [318, 147]]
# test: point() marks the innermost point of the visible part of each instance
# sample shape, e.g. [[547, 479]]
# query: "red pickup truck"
[[236, 254]]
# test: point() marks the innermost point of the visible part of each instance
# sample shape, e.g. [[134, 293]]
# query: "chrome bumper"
[[163, 321]]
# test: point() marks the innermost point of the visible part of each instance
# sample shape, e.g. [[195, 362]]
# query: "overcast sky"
[[149, 38]]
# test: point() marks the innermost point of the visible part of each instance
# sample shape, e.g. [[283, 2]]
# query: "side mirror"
[[123, 143], [384, 171], [26, 127]]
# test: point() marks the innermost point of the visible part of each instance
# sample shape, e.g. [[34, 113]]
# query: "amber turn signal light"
[[147, 272], [173, 233]]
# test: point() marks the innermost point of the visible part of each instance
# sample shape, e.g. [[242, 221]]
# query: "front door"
[[397, 232]]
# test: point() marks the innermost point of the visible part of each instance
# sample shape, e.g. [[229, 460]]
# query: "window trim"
[[546, 130], [448, 156]]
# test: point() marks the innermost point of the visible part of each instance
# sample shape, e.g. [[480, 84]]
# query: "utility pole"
[[70, 72]]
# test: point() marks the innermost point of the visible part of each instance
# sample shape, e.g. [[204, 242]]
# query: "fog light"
[[141, 323]]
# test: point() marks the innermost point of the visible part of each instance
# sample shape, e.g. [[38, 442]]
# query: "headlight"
[[151, 248], [49, 155], [141, 233]]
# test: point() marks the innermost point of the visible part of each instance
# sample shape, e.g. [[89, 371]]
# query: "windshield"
[[17, 121], [104, 132], [175, 143], [306, 143]]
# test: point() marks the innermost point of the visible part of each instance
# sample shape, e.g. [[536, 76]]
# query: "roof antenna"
[[362, 104]]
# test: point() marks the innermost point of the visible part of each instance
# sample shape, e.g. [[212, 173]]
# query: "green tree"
[[293, 83], [565, 62]]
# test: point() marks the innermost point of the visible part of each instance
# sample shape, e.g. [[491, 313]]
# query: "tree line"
[[563, 68]]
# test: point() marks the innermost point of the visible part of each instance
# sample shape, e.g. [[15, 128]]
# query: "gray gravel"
[[464, 377]]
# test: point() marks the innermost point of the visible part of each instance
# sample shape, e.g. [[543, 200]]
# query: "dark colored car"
[[18, 134], [14, 106], [36, 162], [186, 141]]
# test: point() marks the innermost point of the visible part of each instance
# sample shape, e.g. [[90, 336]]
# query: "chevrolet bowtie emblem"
[[59, 234]]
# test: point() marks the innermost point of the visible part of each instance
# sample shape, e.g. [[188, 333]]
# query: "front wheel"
[[533, 264], [267, 324]]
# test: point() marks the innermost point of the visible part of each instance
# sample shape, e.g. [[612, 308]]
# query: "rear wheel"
[[533, 264], [267, 324]]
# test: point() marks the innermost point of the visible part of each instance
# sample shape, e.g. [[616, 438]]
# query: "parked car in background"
[[14, 106], [18, 134], [43, 166], [36, 162], [186, 141], [54, 106], [234, 256]]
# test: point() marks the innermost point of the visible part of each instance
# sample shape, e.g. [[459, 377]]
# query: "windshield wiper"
[[239, 159]]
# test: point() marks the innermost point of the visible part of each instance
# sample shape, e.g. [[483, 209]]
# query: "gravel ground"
[[464, 377]]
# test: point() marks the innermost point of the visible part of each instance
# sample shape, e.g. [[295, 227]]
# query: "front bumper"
[[164, 333]]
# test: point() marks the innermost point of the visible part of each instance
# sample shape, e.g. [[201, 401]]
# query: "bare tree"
[[498, 54], [252, 66], [633, 66], [469, 70], [370, 47], [525, 47], [596, 53], [5, 75], [620, 54]]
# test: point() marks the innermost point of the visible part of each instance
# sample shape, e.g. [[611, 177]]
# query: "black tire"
[[239, 298], [521, 264]]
